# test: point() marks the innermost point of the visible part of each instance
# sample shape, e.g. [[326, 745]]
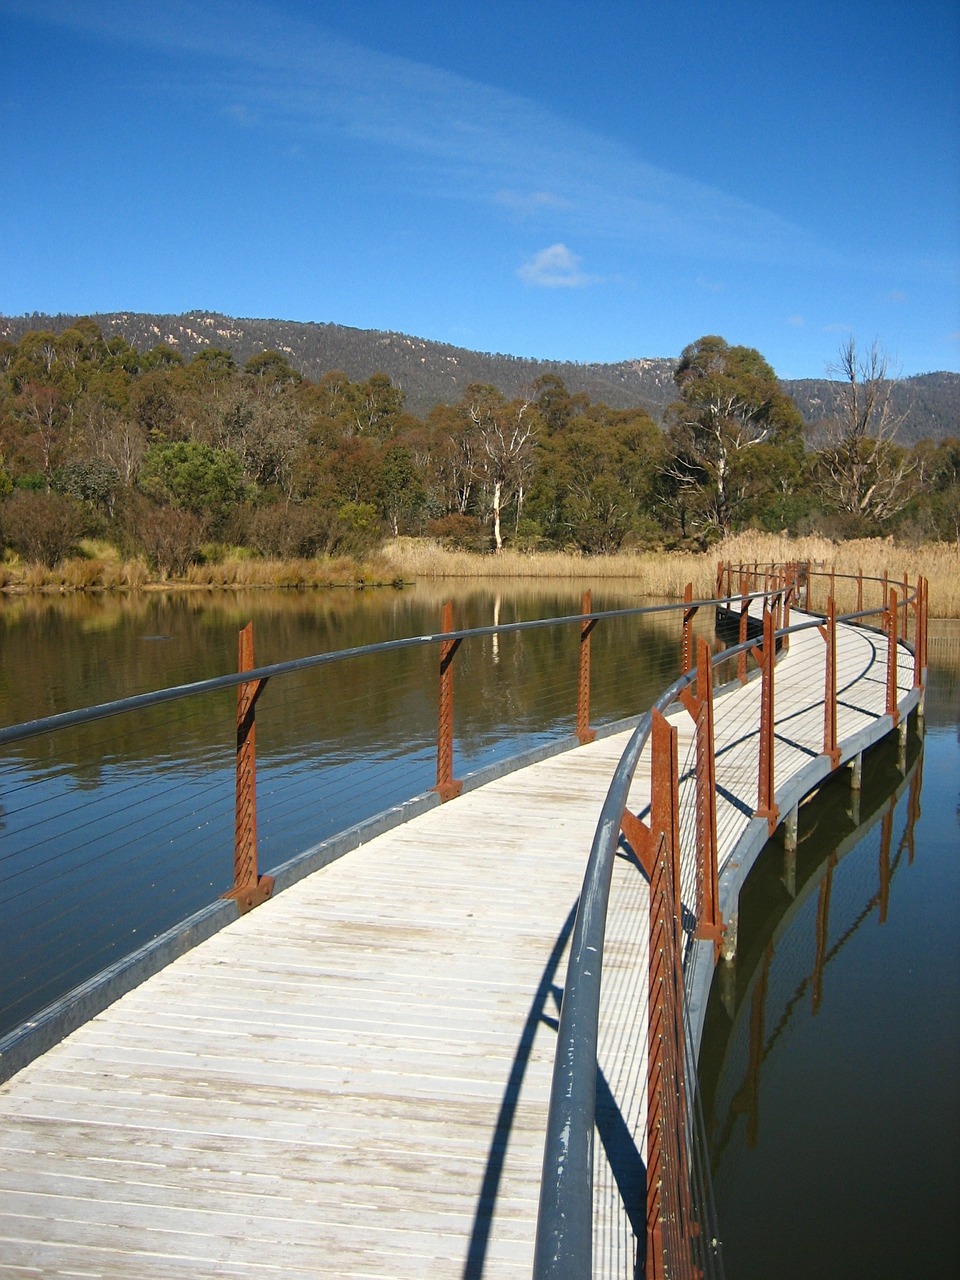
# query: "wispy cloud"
[[459, 139], [555, 268], [796, 322], [531, 202]]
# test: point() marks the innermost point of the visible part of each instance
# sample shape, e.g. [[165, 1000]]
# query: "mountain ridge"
[[431, 372]]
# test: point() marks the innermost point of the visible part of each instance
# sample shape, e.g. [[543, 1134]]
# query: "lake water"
[[830, 1063], [830, 1059], [114, 831]]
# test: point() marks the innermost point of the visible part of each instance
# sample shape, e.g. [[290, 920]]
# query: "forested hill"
[[431, 373]]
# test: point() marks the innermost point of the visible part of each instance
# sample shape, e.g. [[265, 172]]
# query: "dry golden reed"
[[662, 574], [648, 574]]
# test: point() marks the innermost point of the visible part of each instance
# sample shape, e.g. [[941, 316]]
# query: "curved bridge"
[[354, 1079]]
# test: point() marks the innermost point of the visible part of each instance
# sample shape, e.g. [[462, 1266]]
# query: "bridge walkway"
[[352, 1080]]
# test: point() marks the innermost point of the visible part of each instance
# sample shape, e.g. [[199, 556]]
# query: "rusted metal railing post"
[[890, 626], [790, 586], [720, 572], [249, 888], [700, 708], [686, 648], [657, 846], [664, 802], [829, 633], [584, 733], [905, 597], [742, 639], [806, 592], [766, 806], [859, 589], [447, 786]]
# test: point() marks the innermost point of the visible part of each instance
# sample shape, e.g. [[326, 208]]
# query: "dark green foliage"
[[159, 452]]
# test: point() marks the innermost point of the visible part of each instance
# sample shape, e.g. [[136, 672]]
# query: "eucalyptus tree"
[[506, 435], [730, 406]]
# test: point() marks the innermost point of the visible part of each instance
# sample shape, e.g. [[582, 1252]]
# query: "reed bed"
[[96, 574], [648, 574], [663, 575]]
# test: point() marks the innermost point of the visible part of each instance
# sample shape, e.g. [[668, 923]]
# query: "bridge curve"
[[353, 1079]]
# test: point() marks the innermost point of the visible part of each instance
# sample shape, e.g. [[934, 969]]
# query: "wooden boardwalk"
[[352, 1080]]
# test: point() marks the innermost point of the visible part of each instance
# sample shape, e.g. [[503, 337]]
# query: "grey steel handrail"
[[215, 684]]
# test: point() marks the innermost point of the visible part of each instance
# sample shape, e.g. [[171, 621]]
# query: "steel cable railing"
[[118, 819], [675, 1244]]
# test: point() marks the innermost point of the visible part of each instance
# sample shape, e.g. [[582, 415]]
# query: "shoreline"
[[406, 561]]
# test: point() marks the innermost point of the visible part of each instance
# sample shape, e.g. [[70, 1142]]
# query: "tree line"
[[177, 460]]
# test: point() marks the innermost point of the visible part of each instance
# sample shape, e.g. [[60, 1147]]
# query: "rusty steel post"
[[686, 648], [670, 1224], [658, 1027], [829, 633], [584, 733], [918, 634], [700, 709], [859, 589], [789, 588], [249, 888], [806, 596], [720, 573], [766, 806], [447, 786], [742, 639], [905, 597], [890, 626]]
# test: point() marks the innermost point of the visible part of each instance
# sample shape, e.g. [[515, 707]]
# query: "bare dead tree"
[[862, 470]]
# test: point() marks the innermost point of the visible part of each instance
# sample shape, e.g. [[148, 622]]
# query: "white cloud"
[[555, 268], [796, 322]]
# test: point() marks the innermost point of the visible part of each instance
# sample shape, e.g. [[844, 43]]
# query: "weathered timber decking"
[[352, 1080]]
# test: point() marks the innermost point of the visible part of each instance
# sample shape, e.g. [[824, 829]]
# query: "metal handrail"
[[564, 1243], [215, 684]]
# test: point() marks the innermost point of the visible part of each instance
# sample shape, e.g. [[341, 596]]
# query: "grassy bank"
[[657, 574], [664, 574]]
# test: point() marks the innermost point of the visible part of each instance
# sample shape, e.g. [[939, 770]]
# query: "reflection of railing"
[[99, 861], [791, 971], [679, 859]]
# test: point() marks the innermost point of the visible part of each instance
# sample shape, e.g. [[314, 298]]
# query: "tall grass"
[[649, 574], [661, 574]]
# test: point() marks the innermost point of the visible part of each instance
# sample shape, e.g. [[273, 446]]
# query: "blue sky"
[[575, 181]]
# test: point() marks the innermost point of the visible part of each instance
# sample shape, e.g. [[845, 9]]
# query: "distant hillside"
[[928, 403], [436, 373]]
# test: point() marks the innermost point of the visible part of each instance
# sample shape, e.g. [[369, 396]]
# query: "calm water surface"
[[831, 1058], [114, 831]]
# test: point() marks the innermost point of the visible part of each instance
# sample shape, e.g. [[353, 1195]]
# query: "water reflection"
[[830, 1061], [784, 958], [114, 831]]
